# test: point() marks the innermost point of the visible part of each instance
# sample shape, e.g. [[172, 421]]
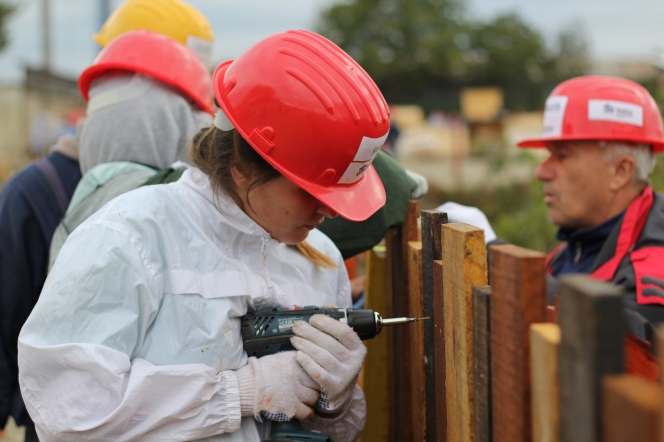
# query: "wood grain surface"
[[544, 341], [432, 222], [464, 266], [591, 346], [631, 409], [416, 344], [481, 363], [518, 299], [376, 379]]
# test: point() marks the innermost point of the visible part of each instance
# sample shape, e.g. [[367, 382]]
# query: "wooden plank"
[[518, 299], [399, 417], [591, 346], [544, 341], [631, 409], [432, 221], [416, 343], [439, 346], [481, 363], [464, 266], [376, 375]]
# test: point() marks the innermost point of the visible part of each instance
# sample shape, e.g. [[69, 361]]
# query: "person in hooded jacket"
[[137, 331], [34, 201]]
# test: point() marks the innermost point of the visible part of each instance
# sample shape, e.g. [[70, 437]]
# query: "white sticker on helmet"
[[554, 111], [202, 48], [618, 111], [366, 153]]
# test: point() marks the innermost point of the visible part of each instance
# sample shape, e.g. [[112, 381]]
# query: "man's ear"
[[623, 171], [242, 179]]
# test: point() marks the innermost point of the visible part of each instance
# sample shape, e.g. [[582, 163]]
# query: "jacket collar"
[[223, 204]]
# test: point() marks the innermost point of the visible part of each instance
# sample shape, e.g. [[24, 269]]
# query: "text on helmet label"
[[618, 111], [366, 153], [554, 111]]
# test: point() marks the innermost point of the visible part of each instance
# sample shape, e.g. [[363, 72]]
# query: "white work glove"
[[275, 387], [332, 354], [456, 213], [422, 185]]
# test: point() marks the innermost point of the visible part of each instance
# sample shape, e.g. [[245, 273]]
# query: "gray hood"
[[132, 117]]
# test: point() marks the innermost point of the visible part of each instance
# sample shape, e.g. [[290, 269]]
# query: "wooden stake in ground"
[[397, 255], [631, 409], [544, 341], [376, 376], [431, 250], [482, 363], [591, 347], [518, 299], [416, 344], [439, 347], [464, 266]]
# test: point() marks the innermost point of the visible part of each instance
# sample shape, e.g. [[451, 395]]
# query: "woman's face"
[[281, 207]]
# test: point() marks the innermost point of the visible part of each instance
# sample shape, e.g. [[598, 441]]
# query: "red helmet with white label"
[[156, 56], [600, 108], [313, 113]]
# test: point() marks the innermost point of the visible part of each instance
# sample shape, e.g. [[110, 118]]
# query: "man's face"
[[576, 184]]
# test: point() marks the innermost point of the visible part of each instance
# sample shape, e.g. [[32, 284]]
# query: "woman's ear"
[[241, 179]]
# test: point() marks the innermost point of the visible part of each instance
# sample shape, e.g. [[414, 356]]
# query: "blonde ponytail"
[[315, 256]]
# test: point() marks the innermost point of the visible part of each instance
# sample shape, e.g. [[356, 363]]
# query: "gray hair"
[[641, 153]]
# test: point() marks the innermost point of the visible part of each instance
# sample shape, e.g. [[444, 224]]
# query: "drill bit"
[[395, 321]]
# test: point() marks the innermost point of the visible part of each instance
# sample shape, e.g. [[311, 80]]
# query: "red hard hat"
[[313, 113], [157, 56], [600, 108]]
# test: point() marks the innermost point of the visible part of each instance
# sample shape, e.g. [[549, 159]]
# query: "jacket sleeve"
[[78, 375]]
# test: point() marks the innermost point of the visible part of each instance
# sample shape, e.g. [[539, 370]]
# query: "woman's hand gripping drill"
[[332, 354]]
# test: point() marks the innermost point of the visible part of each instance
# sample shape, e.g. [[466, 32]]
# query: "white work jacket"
[[137, 331]]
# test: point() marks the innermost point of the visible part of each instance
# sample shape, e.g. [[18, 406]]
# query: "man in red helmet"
[[602, 134]]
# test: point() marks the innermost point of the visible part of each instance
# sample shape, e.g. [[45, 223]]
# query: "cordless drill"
[[266, 332]]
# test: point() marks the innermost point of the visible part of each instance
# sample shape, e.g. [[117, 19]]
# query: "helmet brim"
[[536, 143], [355, 202]]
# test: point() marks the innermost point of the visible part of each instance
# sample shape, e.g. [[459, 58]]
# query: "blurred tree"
[[414, 49], [405, 45], [6, 10]]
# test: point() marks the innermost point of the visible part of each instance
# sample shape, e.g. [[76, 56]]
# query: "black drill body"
[[266, 332]]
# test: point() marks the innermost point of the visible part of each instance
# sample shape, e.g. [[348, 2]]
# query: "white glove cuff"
[[246, 385]]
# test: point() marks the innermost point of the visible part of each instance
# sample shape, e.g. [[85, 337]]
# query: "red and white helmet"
[[157, 56], [313, 113], [600, 108]]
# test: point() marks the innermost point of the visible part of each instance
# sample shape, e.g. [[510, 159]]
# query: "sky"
[[615, 30]]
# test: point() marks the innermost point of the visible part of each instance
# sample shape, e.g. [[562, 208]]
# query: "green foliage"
[[416, 49], [516, 213], [6, 10]]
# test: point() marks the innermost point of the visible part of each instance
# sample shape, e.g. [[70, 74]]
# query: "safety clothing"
[[173, 18], [631, 257], [457, 213], [600, 108], [332, 353], [156, 56], [313, 113], [275, 387], [163, 274]]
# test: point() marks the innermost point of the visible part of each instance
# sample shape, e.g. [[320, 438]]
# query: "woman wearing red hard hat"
[[137, 331]]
